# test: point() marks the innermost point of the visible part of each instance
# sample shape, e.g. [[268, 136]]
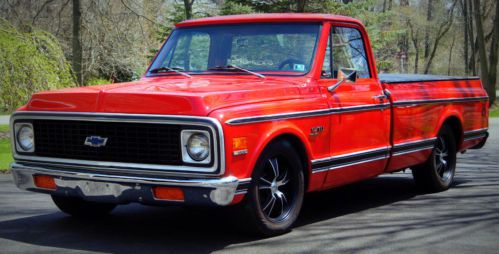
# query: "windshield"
[[270, 49]]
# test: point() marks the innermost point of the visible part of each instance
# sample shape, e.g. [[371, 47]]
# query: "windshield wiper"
[[172, 69], [233, 67]]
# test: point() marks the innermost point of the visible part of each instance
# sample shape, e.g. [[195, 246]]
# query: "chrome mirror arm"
[[333, 87], [350, 77]]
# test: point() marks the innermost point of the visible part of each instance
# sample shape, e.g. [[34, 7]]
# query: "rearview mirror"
[[343, 76]]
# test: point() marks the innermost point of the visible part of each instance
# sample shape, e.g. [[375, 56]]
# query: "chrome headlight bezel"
[[187, 156], [18, 128]]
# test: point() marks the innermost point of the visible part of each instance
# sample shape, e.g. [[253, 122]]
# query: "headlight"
[[196, 147], [25, 137]]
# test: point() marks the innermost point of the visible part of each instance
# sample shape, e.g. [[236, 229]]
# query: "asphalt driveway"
[[380, 215]]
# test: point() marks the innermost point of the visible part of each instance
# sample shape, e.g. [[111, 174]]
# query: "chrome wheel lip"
[[278, 190], [443, 163]]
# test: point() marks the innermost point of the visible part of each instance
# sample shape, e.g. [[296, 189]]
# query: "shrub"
[[30, 61], [98, 81]]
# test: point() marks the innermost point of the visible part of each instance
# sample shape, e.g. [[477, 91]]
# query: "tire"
[[80, 208], [275, 196], [437, 173]]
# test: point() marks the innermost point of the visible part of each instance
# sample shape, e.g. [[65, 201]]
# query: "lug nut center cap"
[[273, 187]]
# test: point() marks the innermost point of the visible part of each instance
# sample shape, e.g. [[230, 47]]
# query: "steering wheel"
[[290, 62]]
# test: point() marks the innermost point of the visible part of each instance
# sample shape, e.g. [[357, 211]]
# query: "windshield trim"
[[207, 72]]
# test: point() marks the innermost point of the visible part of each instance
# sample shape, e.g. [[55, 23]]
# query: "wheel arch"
[[299, 146], [298, 141], [455, 123]]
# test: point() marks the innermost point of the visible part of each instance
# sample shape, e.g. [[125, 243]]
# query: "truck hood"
[[196, 96]]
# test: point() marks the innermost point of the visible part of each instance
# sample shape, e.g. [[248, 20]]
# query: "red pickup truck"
[[246, 110]]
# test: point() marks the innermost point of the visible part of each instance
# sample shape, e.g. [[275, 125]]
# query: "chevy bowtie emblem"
[[95, 141]]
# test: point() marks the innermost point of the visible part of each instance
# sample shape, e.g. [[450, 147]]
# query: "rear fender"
[[449, 113]]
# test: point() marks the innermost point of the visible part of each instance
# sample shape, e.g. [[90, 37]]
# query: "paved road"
[[381, 215], [4, 119]]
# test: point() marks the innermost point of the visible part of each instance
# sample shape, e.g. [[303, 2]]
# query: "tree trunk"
[[404, 43], [300, 5], [429, 18], [471, 34], [464, 8], [416, 61], [76, 42], [414, 39], [494, 47], [450, 54], [188, 8], [484, 68]]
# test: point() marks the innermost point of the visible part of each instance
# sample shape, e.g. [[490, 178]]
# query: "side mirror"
[[343, 76]]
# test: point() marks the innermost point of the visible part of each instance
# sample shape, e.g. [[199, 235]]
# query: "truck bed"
[[410, 78]]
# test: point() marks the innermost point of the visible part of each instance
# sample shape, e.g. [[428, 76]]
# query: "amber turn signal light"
[[168, 193], [44, 182], [240, 145]]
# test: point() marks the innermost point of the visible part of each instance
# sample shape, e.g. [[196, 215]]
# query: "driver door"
[[360, 115]]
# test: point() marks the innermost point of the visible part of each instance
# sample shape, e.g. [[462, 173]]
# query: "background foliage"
[[30, 61], [118, 38]]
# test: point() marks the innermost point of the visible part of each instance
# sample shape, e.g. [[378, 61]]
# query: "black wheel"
[[437, 173], [276, 193], [80, 208]]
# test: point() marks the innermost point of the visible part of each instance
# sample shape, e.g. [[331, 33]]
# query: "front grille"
[[144, 143]]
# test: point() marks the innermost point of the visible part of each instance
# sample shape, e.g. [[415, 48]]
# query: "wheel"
[[437, 173], [80, 208], [276, 192]]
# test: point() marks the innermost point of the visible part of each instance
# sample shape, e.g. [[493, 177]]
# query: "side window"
[[326, 65], [348, 51], [191, 52]]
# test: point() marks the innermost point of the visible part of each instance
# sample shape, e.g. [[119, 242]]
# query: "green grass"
[[5, 152], [4, 128], [494, 112]]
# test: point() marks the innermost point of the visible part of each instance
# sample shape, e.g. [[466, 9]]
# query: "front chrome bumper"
[[123, 189]]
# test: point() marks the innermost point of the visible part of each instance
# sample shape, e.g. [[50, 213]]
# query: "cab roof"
[[270, 17]]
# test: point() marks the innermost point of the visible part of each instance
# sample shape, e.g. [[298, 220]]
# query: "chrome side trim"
[[477, 137], [413, 146], [302, 114], [433, 101], [213, 124], [321, 112], [384, 148], [350, 159], [365, 156], [349, 164], [481, 131], [413, 150], [415, 142], [475, 134]]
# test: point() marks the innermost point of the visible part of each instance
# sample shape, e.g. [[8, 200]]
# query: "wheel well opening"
[[300, 148], [454, 123]]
